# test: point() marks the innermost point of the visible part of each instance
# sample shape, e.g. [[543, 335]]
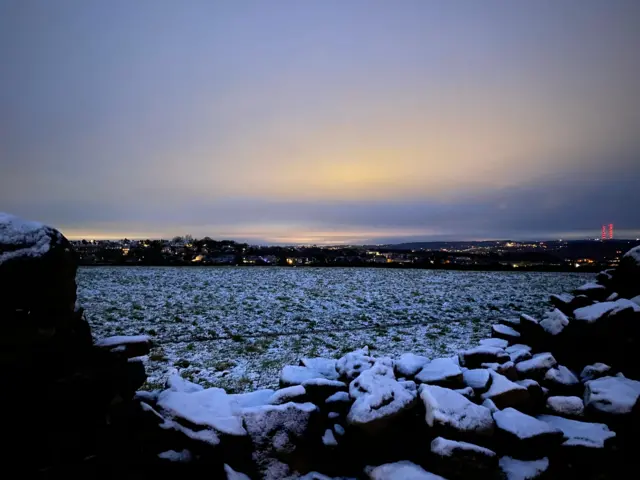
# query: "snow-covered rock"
[[183, 456], [251, 399], [560, 378], [490, 405], [537, 366], [28, 239], [211, 408], [325, 366], [409, 364], [520, 355], [604, 310], [339, 397], [379, 399], [233, 475], [633, 255], [295, 375], [409, 385], [288, 394], [530, 328], [477, 378], [461, 459], [580, 434], [505, 332], [612, 396], [525, 434], [328, 439], [591, 372], [592, 290], [566, 406], [494, 342], [562, 302], [505, 393], [403, 470], [536, 393], [441, 371], [454, 415], [354, 363], [554, 322], [474, 357], [514, 469], [508, 369], [176, 383]]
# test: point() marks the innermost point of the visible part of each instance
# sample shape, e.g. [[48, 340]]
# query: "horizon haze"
[[286, 122]]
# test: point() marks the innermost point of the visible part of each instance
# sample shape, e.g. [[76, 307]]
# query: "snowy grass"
[[236, 327]]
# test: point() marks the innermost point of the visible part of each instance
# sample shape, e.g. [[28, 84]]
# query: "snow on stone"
[[377, 397], [208, 408], [490, 405], [403, 470], [494, 342], [473, 357], [554, 322], [409, 385], [338, 397], [441, 371], [296, 375], [588, 287], [240, 401], [595, 312], [354, 363], [521, 425], [515, 469], [339, 429], [183, 456], [580, 434], [612, 395], [233, 475], [409, 364], [569, 406], [591, 372], [636, 299], [633, 254], [447, 448], [285, 395], [477, 378], [561, 376], [502, 331], [537, 365], [176, 383], [122, 340], [325, 366], [328, 439], [333, 415], [446, 408], [32, 239], [505, 393], [614, 296]]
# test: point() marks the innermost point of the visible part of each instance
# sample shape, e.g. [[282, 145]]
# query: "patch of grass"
[[237, 337], [182, 363]]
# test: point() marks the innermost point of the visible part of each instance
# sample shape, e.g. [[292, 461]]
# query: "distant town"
[[579, 255]]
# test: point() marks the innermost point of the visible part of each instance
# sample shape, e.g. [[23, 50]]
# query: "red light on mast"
[[604, 232], [611, 231]]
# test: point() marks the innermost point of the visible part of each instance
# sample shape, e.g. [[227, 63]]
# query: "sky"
[[333, 121]]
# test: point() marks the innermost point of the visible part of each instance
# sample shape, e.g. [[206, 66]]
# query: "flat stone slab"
[[505, 332], [441, 371], [580, 434], [525, 434], [478, 378]]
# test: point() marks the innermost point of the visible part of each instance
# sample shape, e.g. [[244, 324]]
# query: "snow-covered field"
[[236, 327]]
